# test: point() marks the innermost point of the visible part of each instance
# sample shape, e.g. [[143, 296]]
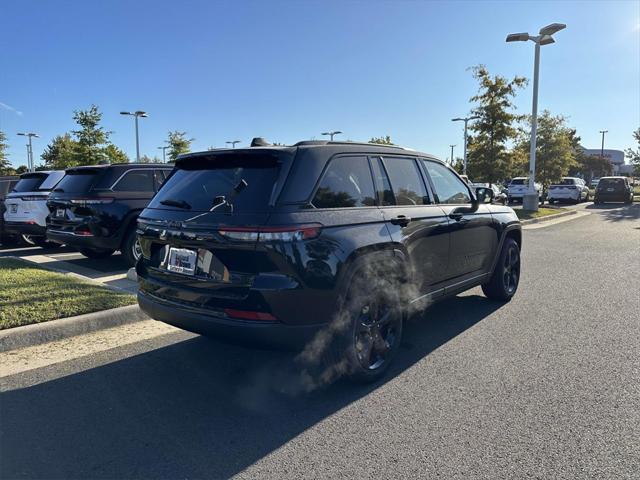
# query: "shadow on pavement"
[[615, 212], [195, 409]]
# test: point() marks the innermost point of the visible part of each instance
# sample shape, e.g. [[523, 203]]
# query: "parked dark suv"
[[614, 189], [6, 185], [322, 245], [95, 208]]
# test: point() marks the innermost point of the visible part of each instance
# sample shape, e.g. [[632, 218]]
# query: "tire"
[[95, 254], [550, 201], [130, 247], [366, 333], [505, 279]]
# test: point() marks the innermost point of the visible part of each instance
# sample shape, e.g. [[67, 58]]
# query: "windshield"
[[78, 181], [196, 190], [30, 183]]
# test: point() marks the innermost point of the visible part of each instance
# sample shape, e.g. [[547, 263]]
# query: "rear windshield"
[[519, 181], [30, 183], [78, 181], [567, 181], [611, 182], [196, 190]]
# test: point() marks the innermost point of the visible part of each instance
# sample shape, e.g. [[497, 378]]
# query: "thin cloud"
[[10, 108]]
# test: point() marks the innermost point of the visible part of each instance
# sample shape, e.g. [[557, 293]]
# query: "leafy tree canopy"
[[634, 155], [178, 144], [5, 166], [386, 140]]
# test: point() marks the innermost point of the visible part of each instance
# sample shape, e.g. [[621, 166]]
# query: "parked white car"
[[571, 189], [26, 205], [518, 187]]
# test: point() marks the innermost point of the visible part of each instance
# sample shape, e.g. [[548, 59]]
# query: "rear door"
[[474, 237], [413, 219]]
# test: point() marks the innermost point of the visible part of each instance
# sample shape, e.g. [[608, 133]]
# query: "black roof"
[[122, 165]]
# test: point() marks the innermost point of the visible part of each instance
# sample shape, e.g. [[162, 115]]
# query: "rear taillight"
[[33, 198], [83, 202], [249, 315], [287, 233]]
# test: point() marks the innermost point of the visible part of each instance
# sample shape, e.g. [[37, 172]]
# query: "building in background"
[[616, 157]]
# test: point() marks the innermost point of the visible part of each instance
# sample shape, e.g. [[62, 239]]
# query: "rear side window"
[[196, 189], [346, 183], [77, 181], [29, 183], [135, 181], [406, 181], [449, 188], [382, 181]]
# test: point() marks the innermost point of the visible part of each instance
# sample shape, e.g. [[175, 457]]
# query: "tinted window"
[[77, 181], [198, 188], [519, 181], [449, 188], [382, 182], [346, 183], [612, 182], [567, 181], [135, 181], [161, 176], [406, 182], [29, 183]]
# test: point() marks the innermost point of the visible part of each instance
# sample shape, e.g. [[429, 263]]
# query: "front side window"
[[346, 183], [135, 181], [449, 188], [406, 182]]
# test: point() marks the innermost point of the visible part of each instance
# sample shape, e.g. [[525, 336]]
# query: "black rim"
[[377, 329], [511, 270]]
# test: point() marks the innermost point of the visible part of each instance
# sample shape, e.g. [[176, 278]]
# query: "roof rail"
[[329, 142]]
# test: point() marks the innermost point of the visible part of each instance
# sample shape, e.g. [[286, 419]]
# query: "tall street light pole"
[[332, 133], [530, 199], [30, 135], [465, 120], [602, 147], [452, 154], [232, 143], [164, 149], [136, 114]]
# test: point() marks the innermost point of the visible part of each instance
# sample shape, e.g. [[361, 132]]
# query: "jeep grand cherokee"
[[320, 243]]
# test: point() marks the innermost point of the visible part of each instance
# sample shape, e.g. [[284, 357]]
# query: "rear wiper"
[[221, 200], [176, 203]]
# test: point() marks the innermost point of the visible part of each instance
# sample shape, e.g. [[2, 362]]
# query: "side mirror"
[[484, 195]]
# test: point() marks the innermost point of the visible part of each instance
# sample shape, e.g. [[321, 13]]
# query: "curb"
[[548, 217], [38, 333]]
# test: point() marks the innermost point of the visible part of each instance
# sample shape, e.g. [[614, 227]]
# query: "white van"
[[26, 205]]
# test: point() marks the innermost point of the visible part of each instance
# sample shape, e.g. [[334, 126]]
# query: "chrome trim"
[[68, 233]]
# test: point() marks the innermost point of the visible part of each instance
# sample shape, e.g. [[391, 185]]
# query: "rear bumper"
[[19, 228], [83, 241], [612, 197], [255, 333], [574, 195]]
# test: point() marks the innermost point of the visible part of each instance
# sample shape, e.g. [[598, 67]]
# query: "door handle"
[[401, 220]]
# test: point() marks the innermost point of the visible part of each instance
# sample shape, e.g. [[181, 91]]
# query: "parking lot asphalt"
[[546, 386]]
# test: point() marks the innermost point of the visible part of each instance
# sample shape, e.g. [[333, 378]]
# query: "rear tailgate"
[[198, 234]]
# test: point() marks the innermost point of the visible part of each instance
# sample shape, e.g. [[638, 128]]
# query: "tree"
[[5, 166], [178, 144], [114, 154], [555, 152], [634, 155], [488, 158], [21, 169], [386, 140], [60, 153]]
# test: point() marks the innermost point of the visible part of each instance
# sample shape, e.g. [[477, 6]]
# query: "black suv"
[[321, 245], [94, 208], [614, 189], [6, 185]]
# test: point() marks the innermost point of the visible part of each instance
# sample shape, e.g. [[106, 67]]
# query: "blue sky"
[[289, 70]]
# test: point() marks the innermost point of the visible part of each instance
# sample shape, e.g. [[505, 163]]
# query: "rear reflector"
[[249, 315]]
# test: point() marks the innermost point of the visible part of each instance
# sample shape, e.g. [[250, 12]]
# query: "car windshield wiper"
[[176, 203], [226, 200]]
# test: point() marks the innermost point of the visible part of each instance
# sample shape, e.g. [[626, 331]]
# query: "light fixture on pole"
[[452, 154], [602, 147], [232, 143], [465, 120], [136, 114], [332, 133], [30, 135], [530, 199], [164, 149]]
